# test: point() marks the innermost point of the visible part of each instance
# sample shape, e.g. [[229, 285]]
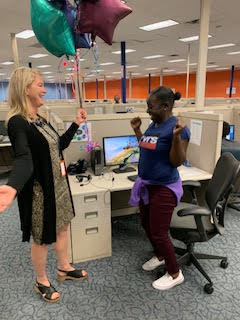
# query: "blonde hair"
[[20, 80]]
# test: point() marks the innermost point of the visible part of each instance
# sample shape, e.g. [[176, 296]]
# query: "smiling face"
[[35, 92], [158, 111]]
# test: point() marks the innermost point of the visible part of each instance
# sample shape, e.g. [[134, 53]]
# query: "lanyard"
[[40, 123]]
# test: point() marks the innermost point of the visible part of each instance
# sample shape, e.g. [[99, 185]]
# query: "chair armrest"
[[194, 211], [191, 183]]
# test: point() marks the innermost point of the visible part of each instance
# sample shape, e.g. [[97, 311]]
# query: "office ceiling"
[[224, 28]]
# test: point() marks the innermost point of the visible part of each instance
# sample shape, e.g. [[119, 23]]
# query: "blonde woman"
[[38, 179]]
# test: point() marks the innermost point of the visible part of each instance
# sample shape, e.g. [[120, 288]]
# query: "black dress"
[[44, 198]]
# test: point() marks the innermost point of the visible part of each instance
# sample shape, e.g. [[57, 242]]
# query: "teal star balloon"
[[51, 28]]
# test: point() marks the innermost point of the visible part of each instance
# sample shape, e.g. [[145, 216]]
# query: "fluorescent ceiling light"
[[70, 69], [106, 63], [168, 70], [159, 25], [136, 74], [193, 38], [49, 77], [38, 55], [46, 72], [234, 52], [154, 57], [222, 46], [44, 66], [212, 66], [2, 74], [26, 34], [181, 72], [151, 69], [177, 60], [135, 66], [223, 68], [193, 64], [127, 51], [7, 63], [117, 72], [109, 76], [100, 70]]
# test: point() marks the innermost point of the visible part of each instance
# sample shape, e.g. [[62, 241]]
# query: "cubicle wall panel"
[[204, 154], [236, 122]]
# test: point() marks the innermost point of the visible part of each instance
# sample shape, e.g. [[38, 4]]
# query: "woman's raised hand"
[[136, 123]]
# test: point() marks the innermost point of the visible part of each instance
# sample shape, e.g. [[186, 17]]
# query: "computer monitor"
[[230, 136], [121, 150]]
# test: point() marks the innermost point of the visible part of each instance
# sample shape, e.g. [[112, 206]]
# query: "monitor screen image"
[[230, 136], [120, 150]]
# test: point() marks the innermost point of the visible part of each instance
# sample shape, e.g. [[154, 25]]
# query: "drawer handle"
[[91, 215], [92, 230], [90, 198]]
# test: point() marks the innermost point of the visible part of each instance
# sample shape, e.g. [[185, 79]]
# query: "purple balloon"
[[81, 40]]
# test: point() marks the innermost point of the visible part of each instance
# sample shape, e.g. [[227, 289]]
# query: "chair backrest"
[[221, 185]]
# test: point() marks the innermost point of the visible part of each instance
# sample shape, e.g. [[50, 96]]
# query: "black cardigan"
[[33, 162]]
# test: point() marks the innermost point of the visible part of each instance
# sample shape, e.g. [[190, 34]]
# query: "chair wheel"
[[224, 264], [208, 288]]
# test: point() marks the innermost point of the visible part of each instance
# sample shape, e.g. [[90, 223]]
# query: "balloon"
[[80, 40], [51, 28], [101, 17]]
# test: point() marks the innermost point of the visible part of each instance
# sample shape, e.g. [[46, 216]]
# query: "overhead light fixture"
[[193, 38], [106, 63], [159, 25], [154, 57], [38, 55], [222, 46], [234, 52], [127, 51], [168, 70], [135, 66], [46, 72], [193, 64], [223, 68], [212, 66], [177, 60], [117, 72], [49, 77], [44, 66], [7, 63], [26, 34], [151, 69], [2, 74]]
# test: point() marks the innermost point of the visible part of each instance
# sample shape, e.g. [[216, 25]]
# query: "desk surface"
[[121, 182], [5, 142]]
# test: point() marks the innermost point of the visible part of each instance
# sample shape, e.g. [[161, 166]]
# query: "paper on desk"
[[196, 131], [83, 132]]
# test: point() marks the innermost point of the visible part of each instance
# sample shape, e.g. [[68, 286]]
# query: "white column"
[[66, 91], [203, 52], [161, 78], [104, 88], [188, 69], [130, 85], [14, 50]]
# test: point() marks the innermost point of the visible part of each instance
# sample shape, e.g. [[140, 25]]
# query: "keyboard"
[[133, 178]]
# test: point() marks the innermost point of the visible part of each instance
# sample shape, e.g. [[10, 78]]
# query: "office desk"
[[90, 230]]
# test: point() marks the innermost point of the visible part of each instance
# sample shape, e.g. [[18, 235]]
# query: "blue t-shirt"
[[155, 145]]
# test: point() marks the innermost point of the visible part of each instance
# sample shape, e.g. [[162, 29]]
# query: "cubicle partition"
[[206, 138]]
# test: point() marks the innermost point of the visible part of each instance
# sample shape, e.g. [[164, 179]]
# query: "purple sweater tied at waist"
[[140, 191]]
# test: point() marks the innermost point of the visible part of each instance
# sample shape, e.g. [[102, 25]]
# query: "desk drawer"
[[90, 243], [91, 202]]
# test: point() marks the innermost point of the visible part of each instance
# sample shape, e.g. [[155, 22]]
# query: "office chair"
[[192, 223]]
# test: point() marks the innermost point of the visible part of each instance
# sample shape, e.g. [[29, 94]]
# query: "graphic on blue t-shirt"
[[148, 142]]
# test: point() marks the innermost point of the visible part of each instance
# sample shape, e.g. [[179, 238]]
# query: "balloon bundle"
[[62, 26]]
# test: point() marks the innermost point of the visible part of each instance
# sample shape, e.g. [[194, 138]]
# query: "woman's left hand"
[[81, 116], [177, 130]]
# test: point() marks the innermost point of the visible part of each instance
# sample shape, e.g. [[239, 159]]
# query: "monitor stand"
[[123, 169]]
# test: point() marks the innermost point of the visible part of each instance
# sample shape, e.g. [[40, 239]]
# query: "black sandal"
[[76, 275], [46, 292]]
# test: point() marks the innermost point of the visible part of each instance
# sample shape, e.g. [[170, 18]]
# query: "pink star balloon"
[[100, 18]]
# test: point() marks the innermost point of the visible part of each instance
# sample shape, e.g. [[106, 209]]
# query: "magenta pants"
[[155, 219]]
